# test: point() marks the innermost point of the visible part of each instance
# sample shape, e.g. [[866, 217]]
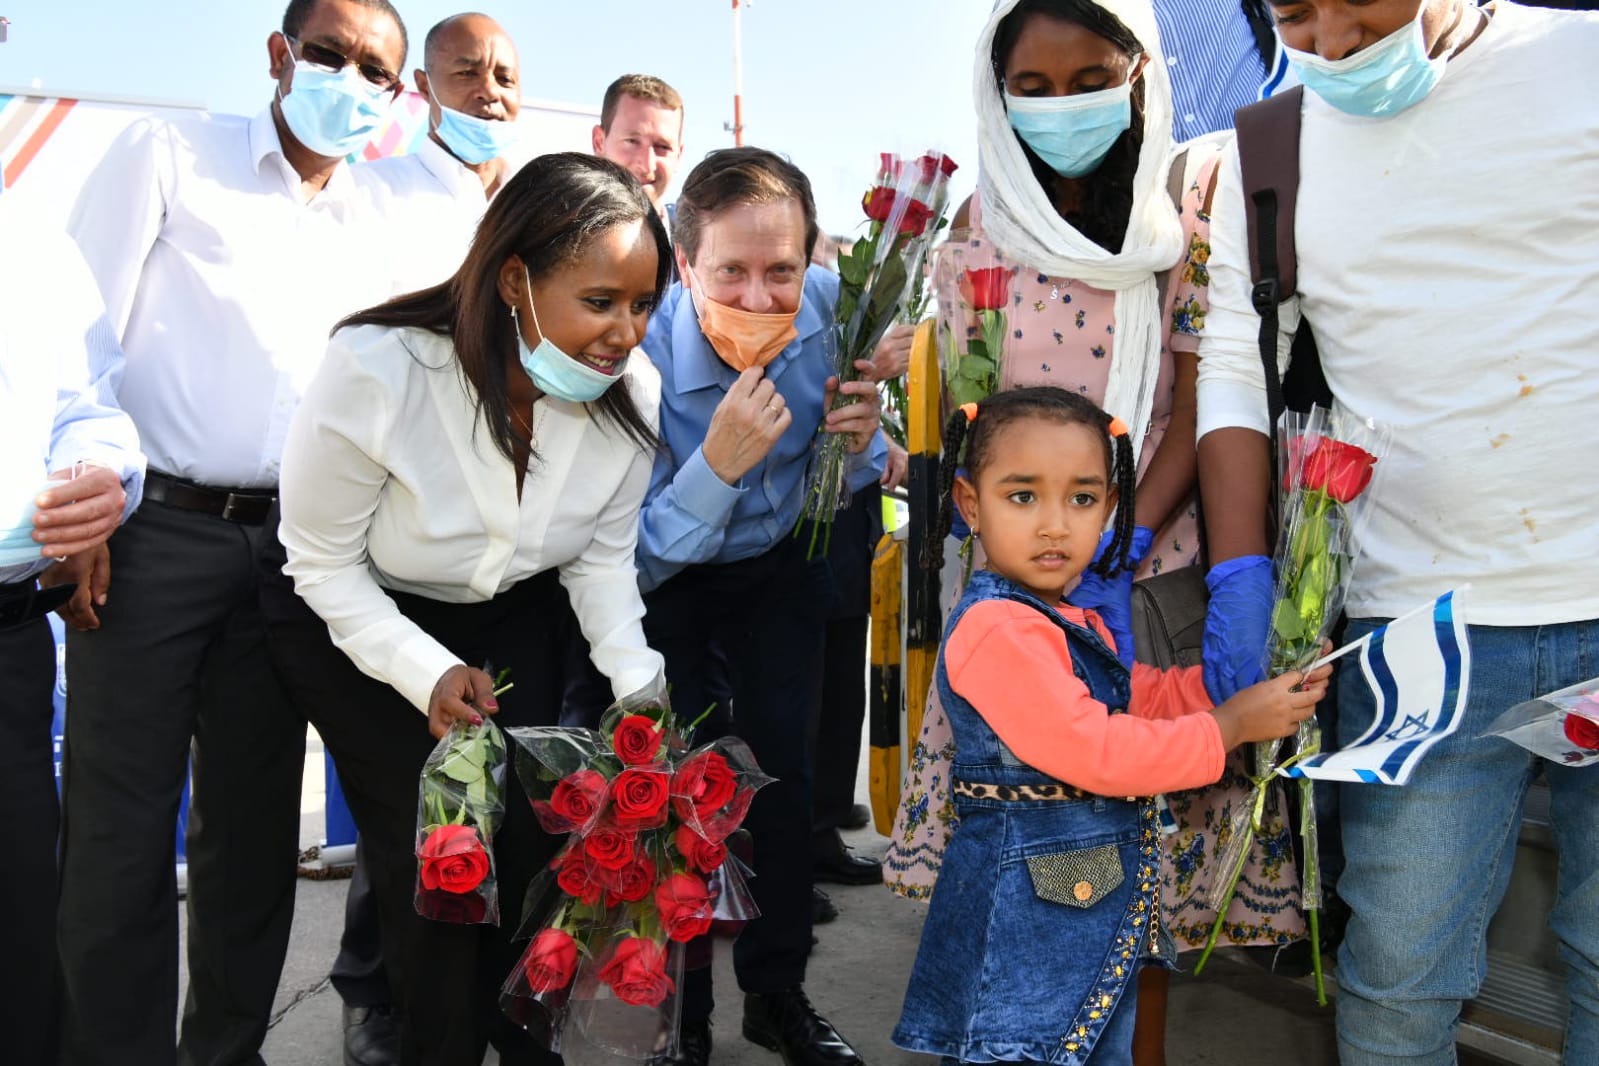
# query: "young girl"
[[1049, 899]]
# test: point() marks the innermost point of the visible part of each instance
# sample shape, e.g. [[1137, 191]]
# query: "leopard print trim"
[[1018, 793]]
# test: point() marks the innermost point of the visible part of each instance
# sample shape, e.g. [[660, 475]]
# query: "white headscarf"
[[1023, 224]]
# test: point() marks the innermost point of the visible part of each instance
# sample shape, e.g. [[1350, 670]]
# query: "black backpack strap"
[[1268, 154]]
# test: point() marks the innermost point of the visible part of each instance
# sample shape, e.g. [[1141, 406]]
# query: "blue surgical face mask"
[[17, 546], [554, 372], [470, 139], [333, 114], [1072, 134], [1390, 76]]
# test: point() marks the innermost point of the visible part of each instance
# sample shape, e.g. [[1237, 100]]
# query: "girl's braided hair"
[[974, 426]]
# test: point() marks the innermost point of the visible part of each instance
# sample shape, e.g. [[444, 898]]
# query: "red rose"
[[636, 972], [947, 165], [632, 882], [915, 219], [888, 165], [987, 289], [550, 960], [636, 740], [609, 847], [1341, 470], [638, 796], [698, 852], [685, 906], [578, 796], [879, 203], [702, 785], [453, 858], [574, 875], [1583, 732]]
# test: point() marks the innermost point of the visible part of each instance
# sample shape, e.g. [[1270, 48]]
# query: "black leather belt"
[[23, 601], [248, 507]]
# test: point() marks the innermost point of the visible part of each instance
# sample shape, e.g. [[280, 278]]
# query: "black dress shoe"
[[822, 908], [832, 861], [693, 1046], [371, 1037], [785, 1022], [859, 817]]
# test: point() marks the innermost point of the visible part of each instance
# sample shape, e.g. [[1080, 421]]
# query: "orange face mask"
[[742, 339]]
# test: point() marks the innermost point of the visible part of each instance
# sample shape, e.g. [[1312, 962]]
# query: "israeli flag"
[[1417, 667]]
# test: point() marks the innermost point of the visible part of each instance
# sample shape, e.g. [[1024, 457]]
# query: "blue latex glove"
[[1236, 624], [1112, 597]]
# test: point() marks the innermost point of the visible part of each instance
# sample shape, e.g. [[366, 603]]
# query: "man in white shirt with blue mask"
[[58, 418], [1446, 240], [225, 248], [433, 196]]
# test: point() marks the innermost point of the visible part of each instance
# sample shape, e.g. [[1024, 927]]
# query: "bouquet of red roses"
[[644, 870], [459, 809], [904, 210]]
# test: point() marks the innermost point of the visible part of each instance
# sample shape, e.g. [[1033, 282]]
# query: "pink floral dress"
[[1062, 332]]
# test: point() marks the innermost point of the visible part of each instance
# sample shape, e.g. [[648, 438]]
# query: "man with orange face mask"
[[747, 382]]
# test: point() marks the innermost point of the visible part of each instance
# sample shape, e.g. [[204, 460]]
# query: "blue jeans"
[[1429, 862]]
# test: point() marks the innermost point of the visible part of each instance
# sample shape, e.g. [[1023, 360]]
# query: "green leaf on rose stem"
[[477, 792], [462, 770], [1286, 622]]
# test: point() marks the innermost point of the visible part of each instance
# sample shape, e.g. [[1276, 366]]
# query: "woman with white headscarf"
[[1078, 192]]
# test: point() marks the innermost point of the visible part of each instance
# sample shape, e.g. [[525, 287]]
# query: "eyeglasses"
[[332, 61]]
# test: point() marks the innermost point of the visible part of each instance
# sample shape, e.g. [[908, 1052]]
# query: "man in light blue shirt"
[[58, 417], [743, 344]]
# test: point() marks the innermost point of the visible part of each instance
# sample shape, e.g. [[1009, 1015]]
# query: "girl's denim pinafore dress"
[[1044, 906]]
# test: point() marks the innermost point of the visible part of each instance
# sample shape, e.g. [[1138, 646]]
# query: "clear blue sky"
[[828, 82]]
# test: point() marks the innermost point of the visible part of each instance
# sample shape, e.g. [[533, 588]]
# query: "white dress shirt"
[[1449, 267], [390, 481], [431, 203], [58, 368], [222, 284]]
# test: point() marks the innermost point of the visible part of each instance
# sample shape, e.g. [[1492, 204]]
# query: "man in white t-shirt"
[[1448, 265]]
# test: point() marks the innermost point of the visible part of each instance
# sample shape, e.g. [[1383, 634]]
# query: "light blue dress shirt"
[[59, 368], [690, 515]]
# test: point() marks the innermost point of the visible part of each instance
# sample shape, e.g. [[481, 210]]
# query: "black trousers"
[[841, 713], [765, 615], [444, 977], [179, 666], [28, 889], [358, 974]]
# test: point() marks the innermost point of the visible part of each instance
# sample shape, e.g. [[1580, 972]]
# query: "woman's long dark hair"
[[548, 216], [1106, 201]]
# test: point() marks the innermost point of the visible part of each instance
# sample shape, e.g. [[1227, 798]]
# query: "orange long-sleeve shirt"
[[1013, 665]]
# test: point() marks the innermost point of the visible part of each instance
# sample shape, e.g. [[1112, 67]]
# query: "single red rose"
[[609, 846], [915, 219], [1583, 732], [887, 167], [578, 796], [632, 882], [636, 740], [702, 786], [948, 165], [928, 167], [1296, 456], [453, 858], [1341, 470], [639, 796], [575, 876], [698, 852], [550, 960], [684, 903], [986, 289], [878, 203], [636, 972]]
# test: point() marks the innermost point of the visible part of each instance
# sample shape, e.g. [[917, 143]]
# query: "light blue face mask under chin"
[[1391, 76], [557, 374], [332, 114], [471, 139], [1072, 134]]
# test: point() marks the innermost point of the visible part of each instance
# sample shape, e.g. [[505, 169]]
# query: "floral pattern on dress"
[[1050, 345]]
